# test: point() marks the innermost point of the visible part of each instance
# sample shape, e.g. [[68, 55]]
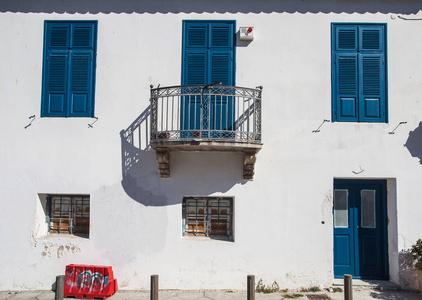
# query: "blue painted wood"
[[359, 85], [208, 57], [360, 250], [69, 69]]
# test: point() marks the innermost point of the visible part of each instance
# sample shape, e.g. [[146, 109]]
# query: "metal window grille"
[[208, 216], [69, 214]]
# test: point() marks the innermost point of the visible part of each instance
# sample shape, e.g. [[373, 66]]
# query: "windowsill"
[[207, 238], [59, 236]]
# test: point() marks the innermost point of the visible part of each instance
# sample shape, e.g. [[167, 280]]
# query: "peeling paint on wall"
[[60, 250], [33, 241]]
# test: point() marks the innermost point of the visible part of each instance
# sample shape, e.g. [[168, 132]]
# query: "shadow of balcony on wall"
[[194, 173], [138, 159], [414, 142]]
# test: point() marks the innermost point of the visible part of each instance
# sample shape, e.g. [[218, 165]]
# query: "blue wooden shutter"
[[346, 38], [208, 57], [346, 74], [80, 101], [221, 53], [196, 62], [57, 39], [69, 69], [347, 87], [359, 72], [195, 54], [221, 67], [56, 85], [80, 97], [372, 103]]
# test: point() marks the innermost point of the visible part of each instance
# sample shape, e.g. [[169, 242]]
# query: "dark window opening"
[[69, 214], [208, 216]]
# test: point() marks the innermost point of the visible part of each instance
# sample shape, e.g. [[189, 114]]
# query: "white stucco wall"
[[136, 224]]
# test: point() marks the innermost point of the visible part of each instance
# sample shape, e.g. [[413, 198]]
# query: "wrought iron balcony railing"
[[206, 113], [200, 118]]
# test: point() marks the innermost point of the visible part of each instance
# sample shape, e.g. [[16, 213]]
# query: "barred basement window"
[[69, 214], [208, 216]]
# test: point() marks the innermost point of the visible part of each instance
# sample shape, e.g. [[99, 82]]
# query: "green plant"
[[337, 290], [267, 289], [416, 251], [292, 296], [312, 289]]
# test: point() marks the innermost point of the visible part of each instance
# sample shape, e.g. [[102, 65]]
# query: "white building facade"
[[315, 175]]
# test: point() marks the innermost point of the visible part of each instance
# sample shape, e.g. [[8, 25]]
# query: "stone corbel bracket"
[[249, 159], [163, 159]]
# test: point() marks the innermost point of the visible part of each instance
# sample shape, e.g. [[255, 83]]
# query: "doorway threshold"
[[375, 284]]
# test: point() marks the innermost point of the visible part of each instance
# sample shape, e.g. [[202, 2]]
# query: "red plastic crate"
[[89, 282]]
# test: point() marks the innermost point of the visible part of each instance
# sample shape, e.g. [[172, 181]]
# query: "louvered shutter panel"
[[55, 89], [196, 35], [196, 62], [346, 87], [80, 96], [372, 74], [58, 37], [81, 86], [372, 98], [221, 67], [55, 71], [195, 74], [346, 38], [371, 38], [221, 35], [83, 36]]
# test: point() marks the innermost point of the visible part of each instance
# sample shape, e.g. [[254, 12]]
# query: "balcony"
[[206, 118]]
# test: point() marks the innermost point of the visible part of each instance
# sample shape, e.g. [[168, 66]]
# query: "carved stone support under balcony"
[[163, 159], [249, 159]]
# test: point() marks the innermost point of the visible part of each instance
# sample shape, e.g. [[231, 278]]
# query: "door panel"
[[360, 245]]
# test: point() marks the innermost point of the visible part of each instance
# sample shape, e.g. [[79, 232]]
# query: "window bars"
[[208, 216], [69, 214]]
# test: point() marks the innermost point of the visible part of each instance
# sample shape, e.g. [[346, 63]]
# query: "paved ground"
[[359, 293]]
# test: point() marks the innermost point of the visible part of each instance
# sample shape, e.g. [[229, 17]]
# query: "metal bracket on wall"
[[90, 125], [392, 132], [317, 130], [32, 118]]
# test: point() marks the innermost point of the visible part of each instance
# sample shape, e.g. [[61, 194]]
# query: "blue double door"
[[208, 61], [360, 229]]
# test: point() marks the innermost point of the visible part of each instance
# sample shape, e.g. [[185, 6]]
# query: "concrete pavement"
[[359, 293]]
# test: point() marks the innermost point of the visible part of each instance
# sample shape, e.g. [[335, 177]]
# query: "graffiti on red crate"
[[87, 279]]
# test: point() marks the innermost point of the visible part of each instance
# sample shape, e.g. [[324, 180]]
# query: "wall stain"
[[59, 250]]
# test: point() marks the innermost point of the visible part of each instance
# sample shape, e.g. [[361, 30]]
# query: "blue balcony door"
[[208, 59], [360, 229]]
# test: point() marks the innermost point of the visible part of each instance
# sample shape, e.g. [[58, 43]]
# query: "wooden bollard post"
[[59, 287], [348, 288], [251, 287], [154, 287]]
